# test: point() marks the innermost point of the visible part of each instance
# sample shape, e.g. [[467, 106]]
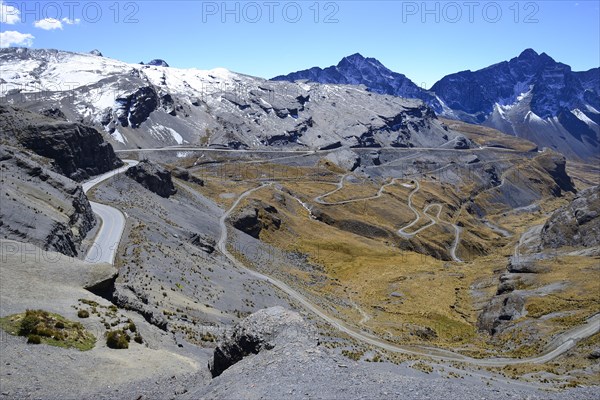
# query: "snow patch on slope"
[[579, 114], [176, 136], [118, 137]]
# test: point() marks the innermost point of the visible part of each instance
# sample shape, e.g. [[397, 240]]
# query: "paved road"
[[266, 150], [106, 242], [561, 344]]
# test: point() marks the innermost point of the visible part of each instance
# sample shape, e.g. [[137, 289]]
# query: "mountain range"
[[530, 96], [357, 103], [141, 106]]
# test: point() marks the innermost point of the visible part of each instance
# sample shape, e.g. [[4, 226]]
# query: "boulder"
[[263, 330], [153, 177], [206, 244], [461, 143], [595, 354]]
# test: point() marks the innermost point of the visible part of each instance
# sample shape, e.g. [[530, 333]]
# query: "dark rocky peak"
[[96, 52], [355, 60], [158, 63], [528, 54], [356, 69]]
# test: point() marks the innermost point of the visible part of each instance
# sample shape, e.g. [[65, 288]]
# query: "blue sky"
[[423, 40]]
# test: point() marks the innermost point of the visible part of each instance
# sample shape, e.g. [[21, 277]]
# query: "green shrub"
[[138, 338], [30, 322], [44, 331], [41, 326], [34, 339], [83, 314], [132, 328], [117, 340]]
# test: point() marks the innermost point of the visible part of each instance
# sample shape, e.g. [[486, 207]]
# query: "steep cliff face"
[[40, 206], [77, 151]]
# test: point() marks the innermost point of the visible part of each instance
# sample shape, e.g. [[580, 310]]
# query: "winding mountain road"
[[110, 233], [106, 243], [402, 231], [562, 342]]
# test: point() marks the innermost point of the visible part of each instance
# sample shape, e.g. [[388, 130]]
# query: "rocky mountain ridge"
[[530, 96]]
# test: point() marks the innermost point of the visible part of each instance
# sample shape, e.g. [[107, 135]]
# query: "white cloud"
[[68, 21], [10, 38], [9, 14], [48, 24]]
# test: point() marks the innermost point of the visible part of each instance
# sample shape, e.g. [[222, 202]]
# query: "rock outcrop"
[[184, 175], [555, 165], [77, 151], [344, 158], [255, 217], [132, 109], [153, 177], [503, 308], [575, 225], [158, 63], [263, 330]]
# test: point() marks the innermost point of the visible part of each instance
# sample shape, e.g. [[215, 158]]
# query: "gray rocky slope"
[[40, 206], [155, 106]]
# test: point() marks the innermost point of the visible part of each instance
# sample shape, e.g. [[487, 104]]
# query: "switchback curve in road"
[[106, 243]]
